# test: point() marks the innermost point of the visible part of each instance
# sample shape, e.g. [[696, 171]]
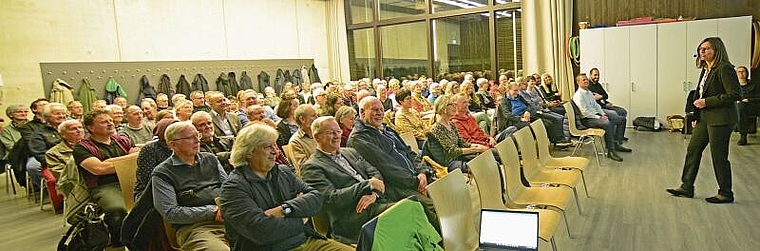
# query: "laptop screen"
[[509, 230]]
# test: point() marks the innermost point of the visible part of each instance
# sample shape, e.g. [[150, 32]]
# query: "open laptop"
[[508, 230]]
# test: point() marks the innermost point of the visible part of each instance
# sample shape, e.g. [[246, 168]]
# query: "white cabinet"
[[649, 69]]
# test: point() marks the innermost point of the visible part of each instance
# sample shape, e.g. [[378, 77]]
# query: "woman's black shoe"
[[720, 199], [680, 192]]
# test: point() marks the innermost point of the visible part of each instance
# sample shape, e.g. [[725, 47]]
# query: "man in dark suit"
[[715, 117], [225, 123], [352, 188]]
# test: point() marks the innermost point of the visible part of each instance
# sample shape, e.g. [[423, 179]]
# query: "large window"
[[405, 49], [402, 38], [508, 40], [461, 44], [361, 53]]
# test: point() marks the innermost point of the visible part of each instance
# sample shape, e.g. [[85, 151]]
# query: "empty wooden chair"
[[586, 136], [411, 141], [452, 202], [545, 158], [486, 172], [537, 174]]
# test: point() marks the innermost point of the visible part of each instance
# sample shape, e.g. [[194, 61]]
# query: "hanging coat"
[[165, 86], [223, 84], [61, 92], [183, 86], [233, 83], [146, 90], [279, 81], [86, 95], [263, 82], [113, 90], [314, 75], [305, 74], [245, 82], [200, 83], [295, 77]]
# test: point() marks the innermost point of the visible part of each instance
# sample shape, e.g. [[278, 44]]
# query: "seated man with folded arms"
[[184, 189], [91, 155], [302, 142], [593, 116], [351, 187], [264, 203]]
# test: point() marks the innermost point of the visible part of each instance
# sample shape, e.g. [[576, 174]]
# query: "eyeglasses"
[[332, 132], [196, 137]]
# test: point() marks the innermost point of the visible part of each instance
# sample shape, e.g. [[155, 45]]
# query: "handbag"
[[88, 233]]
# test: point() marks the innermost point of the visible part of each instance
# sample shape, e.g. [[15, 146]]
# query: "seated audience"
[[152, 154], [42, 140], [117, 114], [435, 91], [352, 189], [183, 110], [419, 102], [270, 98], [164, 114], [225, 123], [444, 144], [211, 143], [538, 109], [476, 104], [551, 94], [302, 143], [121, 102], [76, 110], [484, 94], [162, 102], [185, 187], [264, 204], [594, 117], [332, 104], [382, 95], [149, 109], [11, 133], [615, 113], [749, 105], [287, 126], [408, 120], [467, 126], [91, 155], [98, 105], [345, 117], [198, 99], [135, 130], [382, 147], [58, 156]]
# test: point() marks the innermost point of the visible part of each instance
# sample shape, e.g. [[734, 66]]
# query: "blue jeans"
[[34, 168]]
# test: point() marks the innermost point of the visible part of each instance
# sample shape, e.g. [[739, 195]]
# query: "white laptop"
[[508, 230]]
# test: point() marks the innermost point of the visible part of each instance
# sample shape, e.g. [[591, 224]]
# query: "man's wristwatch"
[[286, 209]]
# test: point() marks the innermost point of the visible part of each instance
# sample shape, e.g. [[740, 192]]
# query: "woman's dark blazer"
[[720, 94]]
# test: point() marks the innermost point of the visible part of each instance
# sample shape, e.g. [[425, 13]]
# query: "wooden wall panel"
[[608, 12]]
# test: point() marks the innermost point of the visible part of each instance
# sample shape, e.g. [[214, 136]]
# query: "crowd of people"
[[226, 171]]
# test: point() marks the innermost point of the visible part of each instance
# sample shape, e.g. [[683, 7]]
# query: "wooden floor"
[[628, 209]]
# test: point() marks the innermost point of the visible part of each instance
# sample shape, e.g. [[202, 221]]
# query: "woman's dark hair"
[[721, 56], [283, 109], [403, 94], [330, 103]]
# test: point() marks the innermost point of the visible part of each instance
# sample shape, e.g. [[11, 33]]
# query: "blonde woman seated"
[[452, 88], [183, 110], [443, 142], [408, 119]]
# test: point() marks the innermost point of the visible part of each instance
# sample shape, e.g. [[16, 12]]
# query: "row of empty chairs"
[[500, 187]]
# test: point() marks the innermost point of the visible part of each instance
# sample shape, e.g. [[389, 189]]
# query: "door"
[[592, 49], [672, 62], [696, 31], [736, 33], [643, 71], [615, 77]]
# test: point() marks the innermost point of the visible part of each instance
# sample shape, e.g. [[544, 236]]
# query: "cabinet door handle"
[[683, 84], [633, 87]]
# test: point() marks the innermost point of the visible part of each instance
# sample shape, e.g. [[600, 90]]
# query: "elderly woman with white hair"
[[261, 195]]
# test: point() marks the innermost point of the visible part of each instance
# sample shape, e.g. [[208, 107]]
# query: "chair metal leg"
[[596, 151], [577, 203], [585, 188], [9, 182], [554, 244], [580, 142], [567, 226], [43, 186]]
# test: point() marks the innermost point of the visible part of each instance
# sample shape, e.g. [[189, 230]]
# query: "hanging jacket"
[[305, 74], [165, 86], [61, 92], [313, 74], [86, 95], [263, 81], [223, 84], [113, 90], [146, 90], [200, 83], [295, 77], [183, 86], [233, 83], [245, 82], [279, 81]]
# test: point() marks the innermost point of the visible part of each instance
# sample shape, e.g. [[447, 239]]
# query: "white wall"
[[156, 30]]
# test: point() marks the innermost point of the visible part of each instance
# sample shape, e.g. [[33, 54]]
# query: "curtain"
[[546, 27], [337, 41]]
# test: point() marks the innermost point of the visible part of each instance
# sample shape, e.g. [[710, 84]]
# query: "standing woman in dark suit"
[[715, 118], [749, 105]]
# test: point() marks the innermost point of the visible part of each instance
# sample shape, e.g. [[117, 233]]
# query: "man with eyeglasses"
[[185, 187], [352, 189], [199, 101]]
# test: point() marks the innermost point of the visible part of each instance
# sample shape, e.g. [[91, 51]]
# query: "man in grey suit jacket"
[[225, 123], [351, 187]]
